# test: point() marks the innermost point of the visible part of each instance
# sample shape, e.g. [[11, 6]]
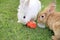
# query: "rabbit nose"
[[24, 17]]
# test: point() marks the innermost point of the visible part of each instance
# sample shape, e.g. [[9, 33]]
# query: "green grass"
[[11, 30]]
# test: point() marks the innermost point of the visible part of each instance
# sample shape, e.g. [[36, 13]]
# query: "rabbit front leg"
[[19, 15], [56, 30]]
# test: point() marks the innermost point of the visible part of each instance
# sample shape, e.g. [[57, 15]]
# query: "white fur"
[[30, 11], [41, 25]]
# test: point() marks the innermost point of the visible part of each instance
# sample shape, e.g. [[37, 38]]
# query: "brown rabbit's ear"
[[52, 7]]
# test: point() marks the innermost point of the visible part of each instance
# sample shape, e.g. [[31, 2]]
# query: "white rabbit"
[[28, 9]]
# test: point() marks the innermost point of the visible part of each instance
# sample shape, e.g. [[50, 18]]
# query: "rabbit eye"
[[42, 16], [24, 17]]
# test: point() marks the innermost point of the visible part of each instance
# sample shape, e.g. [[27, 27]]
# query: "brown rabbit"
[[51, 18]]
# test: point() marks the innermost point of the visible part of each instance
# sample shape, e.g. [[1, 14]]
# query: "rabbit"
[[51, 18], [28, 10]]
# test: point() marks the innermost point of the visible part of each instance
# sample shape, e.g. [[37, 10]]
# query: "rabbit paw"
[[54, 38], [18, 21]]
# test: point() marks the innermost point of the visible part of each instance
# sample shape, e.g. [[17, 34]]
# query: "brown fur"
[[52, 19]]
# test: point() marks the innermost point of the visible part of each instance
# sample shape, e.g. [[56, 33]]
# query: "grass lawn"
[[11, 30]]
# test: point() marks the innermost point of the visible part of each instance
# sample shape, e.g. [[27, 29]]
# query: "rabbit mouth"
[[41, 25]]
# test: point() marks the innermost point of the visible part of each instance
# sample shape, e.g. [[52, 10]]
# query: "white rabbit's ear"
[[27, 2], [22, 1]]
